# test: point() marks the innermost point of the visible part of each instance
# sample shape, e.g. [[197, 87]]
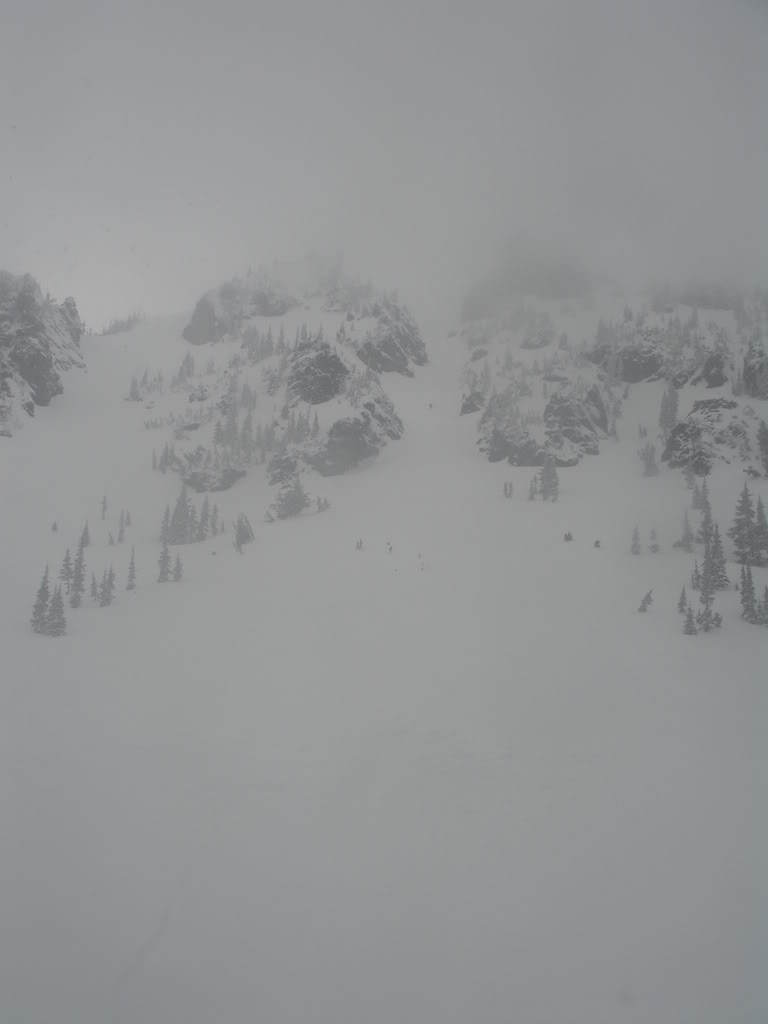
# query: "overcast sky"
[[151, 149]]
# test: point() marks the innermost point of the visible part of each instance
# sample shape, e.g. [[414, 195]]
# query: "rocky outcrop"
[[223, 311], [713, 374], [394, 343], [716, 429], [38, 340], [570, 419], [317, 374]]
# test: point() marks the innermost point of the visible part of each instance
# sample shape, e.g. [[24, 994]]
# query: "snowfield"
[[459, 781]]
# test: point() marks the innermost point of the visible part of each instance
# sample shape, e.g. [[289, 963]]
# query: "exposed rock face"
[[394, 343], [571, 429], [715, 429], [349, 440], [38, 340], [473, 401], [568, 418], [636, 356], [317, 374]]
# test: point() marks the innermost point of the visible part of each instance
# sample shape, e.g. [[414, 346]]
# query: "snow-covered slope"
[[450, 776]]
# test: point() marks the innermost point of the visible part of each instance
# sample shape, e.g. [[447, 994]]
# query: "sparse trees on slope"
[[648, 455]]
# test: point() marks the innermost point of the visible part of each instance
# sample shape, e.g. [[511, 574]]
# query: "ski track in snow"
[[317, 784]]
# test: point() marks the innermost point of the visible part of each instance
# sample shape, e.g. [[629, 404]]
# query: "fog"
[[150, 151]]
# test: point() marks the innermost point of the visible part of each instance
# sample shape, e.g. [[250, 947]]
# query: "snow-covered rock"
[[394, 343], [38, 340], [316, 373], [716, 429]]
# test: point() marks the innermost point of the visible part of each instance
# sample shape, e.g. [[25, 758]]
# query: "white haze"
[[150, 150]]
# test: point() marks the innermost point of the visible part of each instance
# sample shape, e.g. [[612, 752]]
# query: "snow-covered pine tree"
[[131, 584], [85, 536], [214, 520], [682, 604], [65, 572], [687, 539], [761, 533], [747, 593], [164, 564], [742, 533], [204, 523], [56, 624], [696, 577], [646, 602], [720, 576], [533, 489], [636, 548], [707, 619], [648, 456], [165, 525], [689, 626], [762, 440], [77, 588], [177, 570], [94, 588], [696, 498], [549, 483], [654, 546], [762, 610], [40, 608], [705, 529]]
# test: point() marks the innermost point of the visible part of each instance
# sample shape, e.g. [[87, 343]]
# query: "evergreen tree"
[[131, 584], [548, 480], [696, 498], [291, 500], [214, 520], [761, 533], [164, 563], [94, 588], [654, 547], [154, 459], [40, 607], [762, 610], [720, 576], [533, 489], [648, 455], [204, 523], [696, 577], [689, 626], [165, 526], [111, 539], [742, 533], [682, 604], [748, 602], [705, 530], [65, 573], [707, 619], [85, 536], [177, 570], [77, 588], [686, 541], [762, 440], [636, 548], [56, 624]]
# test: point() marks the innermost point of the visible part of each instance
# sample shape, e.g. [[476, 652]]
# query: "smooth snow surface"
[[312, 784]]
